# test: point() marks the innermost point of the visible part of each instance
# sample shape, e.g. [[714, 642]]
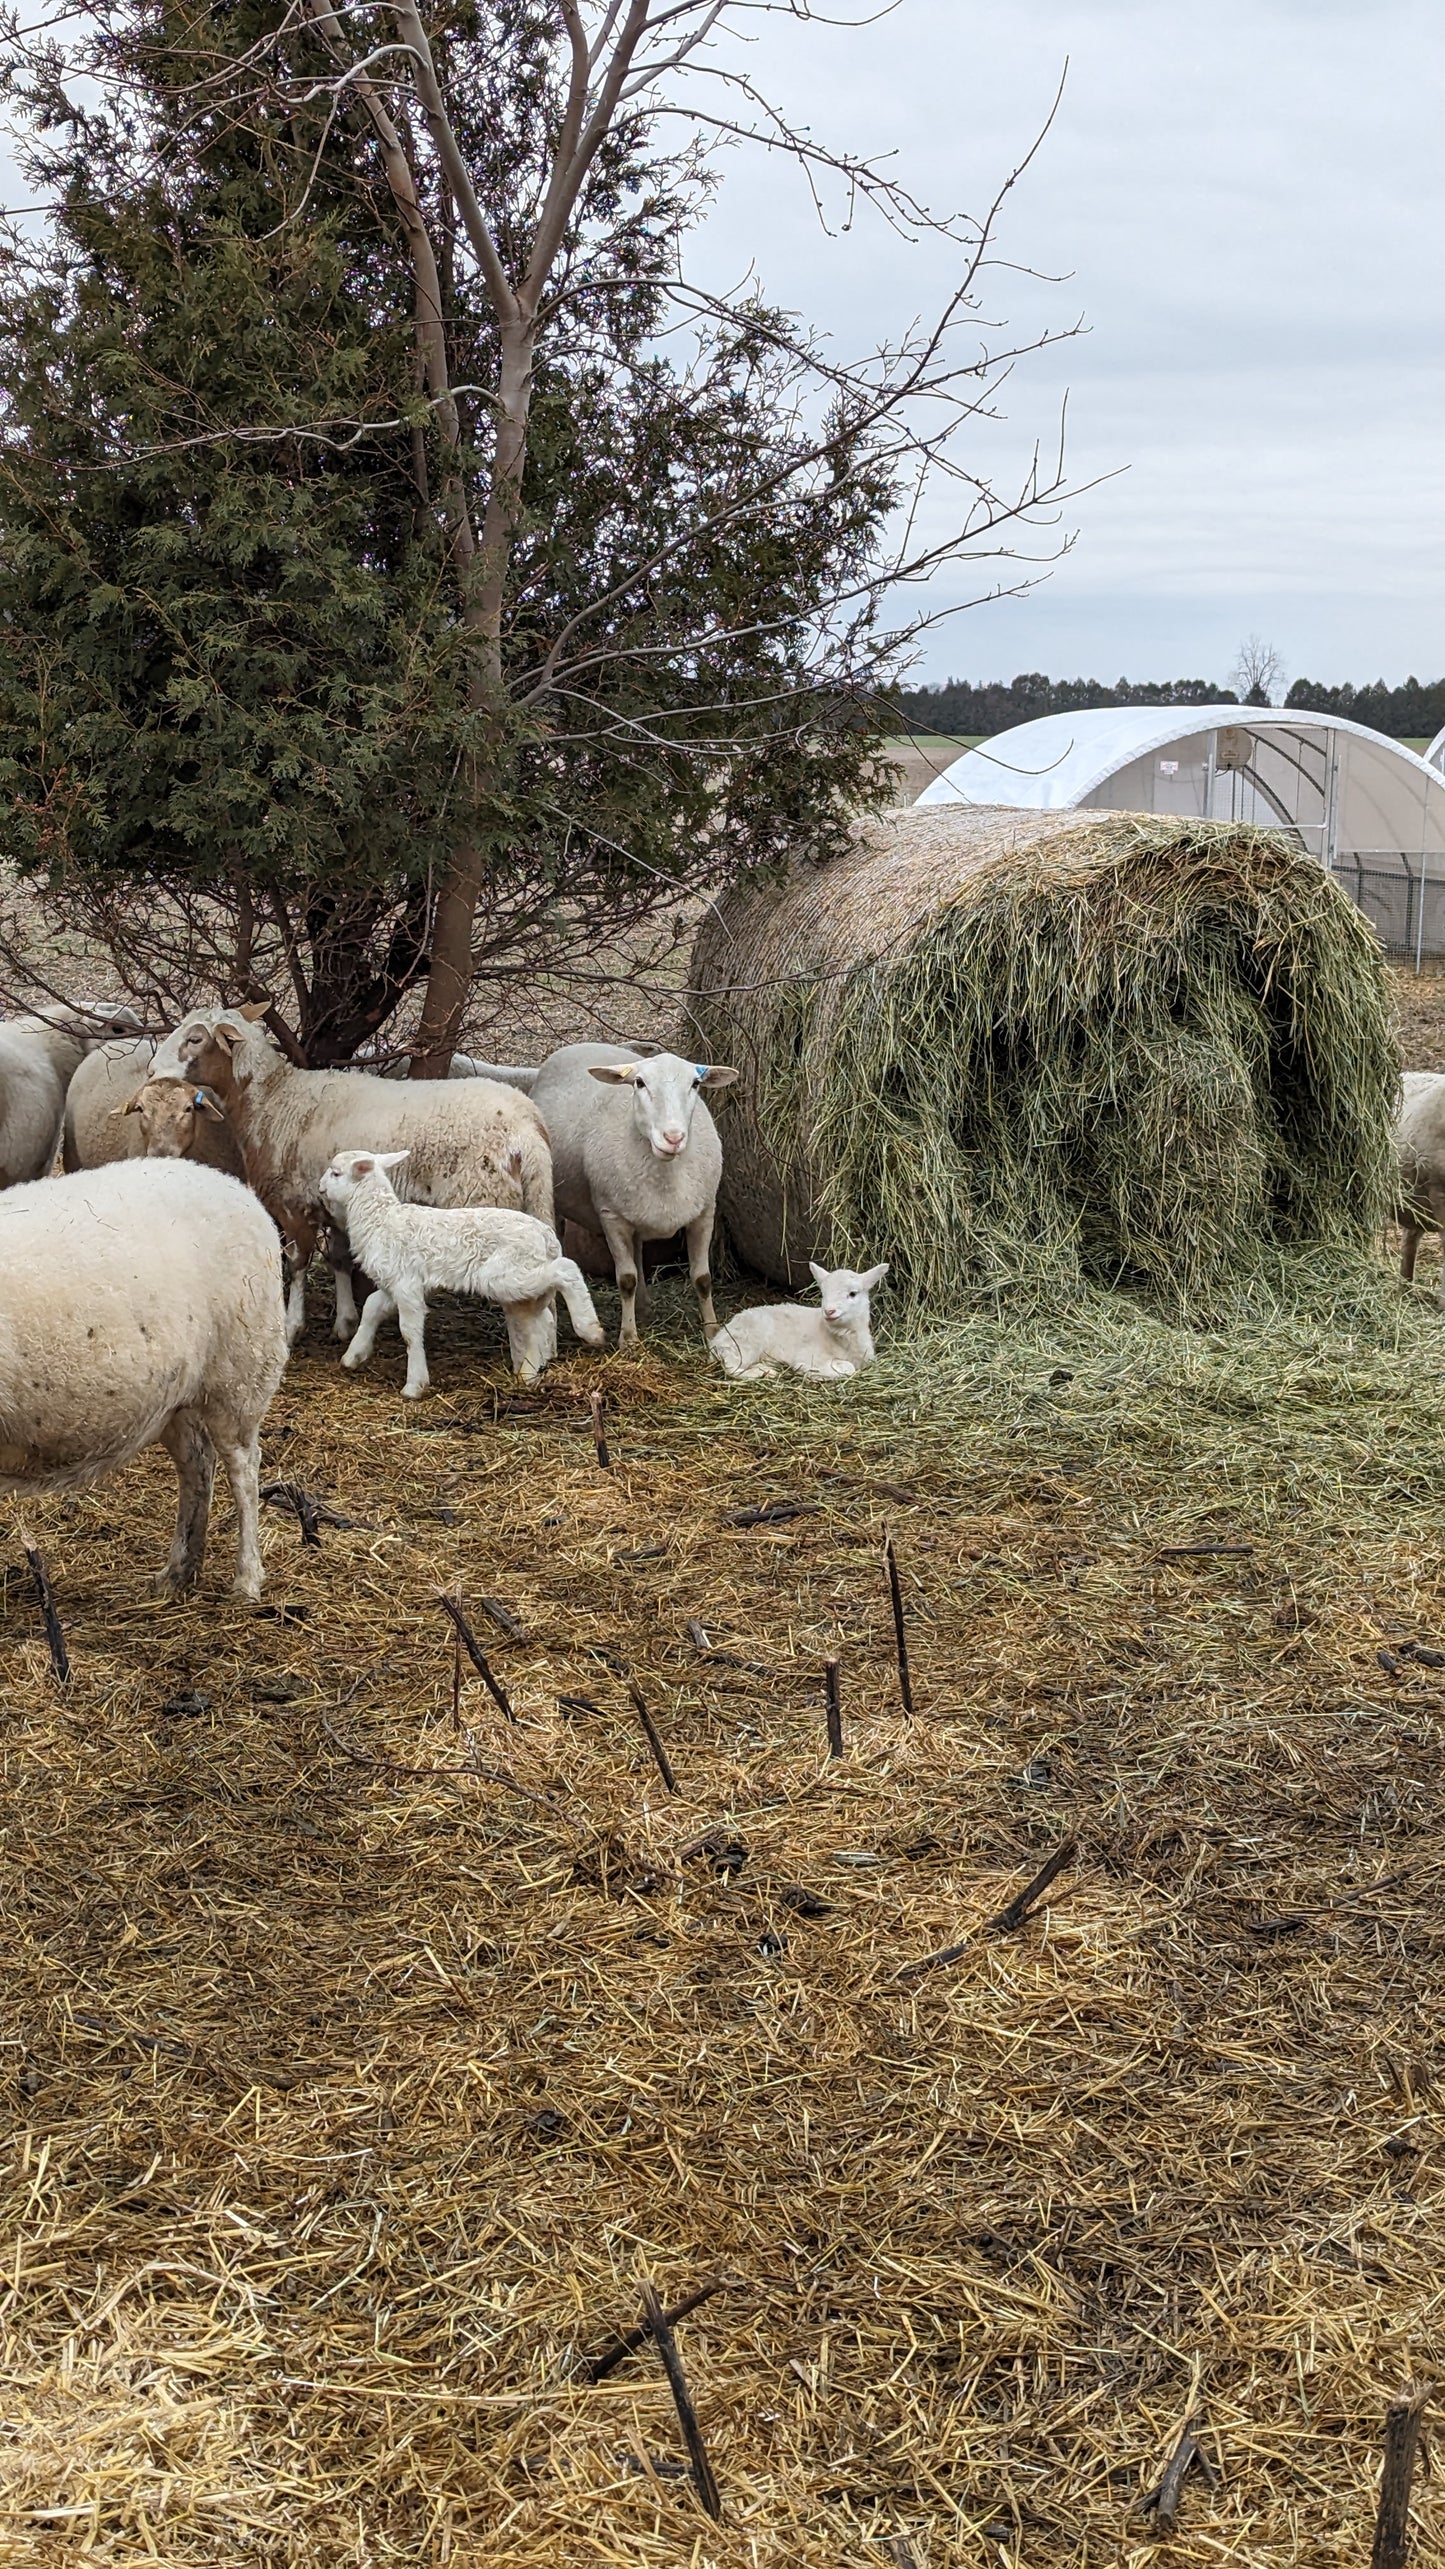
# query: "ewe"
[[116, 1108], [637, 1162], [1420, 1143], [470, 1142], [823, 1344], [39, 1057], [410, 1250], [142, 1306]]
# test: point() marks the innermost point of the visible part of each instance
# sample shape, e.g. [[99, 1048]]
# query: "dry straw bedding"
[[349, 2099]]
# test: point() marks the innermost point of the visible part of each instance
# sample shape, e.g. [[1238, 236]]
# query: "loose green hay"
[[1045, 1048]]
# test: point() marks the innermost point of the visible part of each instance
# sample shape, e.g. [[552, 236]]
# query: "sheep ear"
[[362, 1165], [254, 1010], [614, 1074], [226, 1034], [718, 1075], [818, 1274], [390, 1159], [874, 1277], [131, 1107], [209, 1105]]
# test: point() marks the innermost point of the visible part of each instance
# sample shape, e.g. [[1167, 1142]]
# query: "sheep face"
[[845, 1293], [169, 1111], [665, 1090], [347, 1172]]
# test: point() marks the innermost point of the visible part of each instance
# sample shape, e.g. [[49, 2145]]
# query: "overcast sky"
[[1249, 203]]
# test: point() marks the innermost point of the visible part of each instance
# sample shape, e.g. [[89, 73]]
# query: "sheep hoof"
[[353, 1363], [415, 1391], [250, 1589]]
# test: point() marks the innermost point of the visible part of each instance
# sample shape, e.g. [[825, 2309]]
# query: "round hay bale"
[[995, 1046]]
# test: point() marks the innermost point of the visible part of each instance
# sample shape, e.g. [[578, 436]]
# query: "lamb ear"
[[719, 1075], [614, 1074], [818, 1274], [874, 1277], [363, 1164], [390, 1159]]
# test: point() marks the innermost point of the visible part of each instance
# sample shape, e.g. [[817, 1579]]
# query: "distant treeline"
[[1407, 712]]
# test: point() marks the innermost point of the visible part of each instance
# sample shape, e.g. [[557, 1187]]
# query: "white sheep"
[[141, 1306], [469, 1141], [410, 1250], [1420, 1147], [824, 1344], [638, 1162], [39, 1056], [117, 1109]]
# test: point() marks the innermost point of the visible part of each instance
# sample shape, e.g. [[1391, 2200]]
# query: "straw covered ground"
[[360, 2070]]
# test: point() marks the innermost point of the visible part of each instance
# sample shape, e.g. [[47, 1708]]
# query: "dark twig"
[[777, 1512], [1007, 1920], [475, 1653], [579, 1704], [654, 1741], [597, 2367], [900, 1636], [456, 1679], [503, 1617], [1403, 2421], [1163, 2502], [599, 1438], [436, 1774], [660, 2328], [45, 1597], [833, 1705], [311, 1514]]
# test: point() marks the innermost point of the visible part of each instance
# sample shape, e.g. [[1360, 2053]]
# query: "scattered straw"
[[354, 2091]]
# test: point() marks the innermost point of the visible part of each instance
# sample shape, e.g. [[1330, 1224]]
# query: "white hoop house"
[[1368, 808]]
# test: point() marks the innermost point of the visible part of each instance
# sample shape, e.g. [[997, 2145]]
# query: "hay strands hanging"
[[49, 1612], [1012, 1916], [452, 1606], [660, 2329]]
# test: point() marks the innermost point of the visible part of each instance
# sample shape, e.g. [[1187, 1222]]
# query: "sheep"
[[1420, 1145], [638, 1163], [116, 1109], [410, 1250], [823, 1344], [142, 1306], [470, 1141], [39, 1056]]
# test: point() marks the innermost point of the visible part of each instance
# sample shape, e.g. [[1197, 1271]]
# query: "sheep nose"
[[672, 1137]]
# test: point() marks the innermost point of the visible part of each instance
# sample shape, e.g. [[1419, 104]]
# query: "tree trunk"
[[454, 917]]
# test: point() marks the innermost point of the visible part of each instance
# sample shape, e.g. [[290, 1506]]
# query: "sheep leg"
[[344, 1271], [379, 1307], [411, 1316], [295, 1292], [699, 1248], [193, 1455], [241, 1457], [581, 1311], [1409, 1251], [621, 1240]]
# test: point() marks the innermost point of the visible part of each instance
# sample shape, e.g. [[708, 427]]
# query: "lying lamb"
[[411, 1249], [823, 1344]]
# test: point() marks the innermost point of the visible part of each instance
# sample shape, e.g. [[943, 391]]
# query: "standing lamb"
[[141, 1306], [409, 1250], [39, 1057], [1420, 1145], [116, 1109], [470, 1142], [637, 1162], [824, 1344]]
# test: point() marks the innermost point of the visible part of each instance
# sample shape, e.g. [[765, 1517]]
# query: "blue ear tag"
[[701, 1068], [200, 1098]]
